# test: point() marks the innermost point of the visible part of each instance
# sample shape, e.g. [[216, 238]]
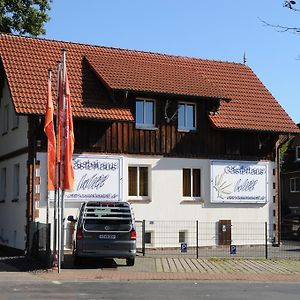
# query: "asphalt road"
[[175, 290]]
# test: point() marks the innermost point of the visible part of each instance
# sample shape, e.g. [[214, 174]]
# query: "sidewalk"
[[155, 268], [152, 268]]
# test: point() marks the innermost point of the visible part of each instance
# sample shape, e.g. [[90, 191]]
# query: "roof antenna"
[[245, 58]]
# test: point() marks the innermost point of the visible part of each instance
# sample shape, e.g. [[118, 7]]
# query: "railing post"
[[143, 237], [197, 239], [266, 240]]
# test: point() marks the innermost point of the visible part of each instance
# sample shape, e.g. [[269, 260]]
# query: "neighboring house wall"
[[290, 178], [13, 174]]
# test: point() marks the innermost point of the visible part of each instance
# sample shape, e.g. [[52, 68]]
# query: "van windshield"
[[107, 225]]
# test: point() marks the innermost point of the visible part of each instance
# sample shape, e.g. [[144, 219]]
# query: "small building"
[[290, 178], [180, 138]]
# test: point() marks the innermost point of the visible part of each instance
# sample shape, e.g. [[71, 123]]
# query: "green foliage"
[[24, 16], [283, 149]]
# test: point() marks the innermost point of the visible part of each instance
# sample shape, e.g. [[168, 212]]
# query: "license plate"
[[107, 236]]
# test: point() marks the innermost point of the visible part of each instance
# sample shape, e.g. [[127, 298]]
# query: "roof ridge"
[[173, 56]]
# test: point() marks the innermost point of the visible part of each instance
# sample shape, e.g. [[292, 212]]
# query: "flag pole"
[[48, 203], [63, 152], [51, 156], [57, 171]]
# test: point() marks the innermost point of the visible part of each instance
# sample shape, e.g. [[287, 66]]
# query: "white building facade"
[[247, 198], [184, 140], [13, 174]]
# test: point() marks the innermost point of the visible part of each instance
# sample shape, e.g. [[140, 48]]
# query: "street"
[[175, 290]]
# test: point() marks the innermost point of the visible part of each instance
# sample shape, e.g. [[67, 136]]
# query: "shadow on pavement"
[[90, 263], [23, 263], [19, 264]]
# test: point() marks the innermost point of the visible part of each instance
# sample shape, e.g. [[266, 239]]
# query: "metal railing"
[[212, 240]]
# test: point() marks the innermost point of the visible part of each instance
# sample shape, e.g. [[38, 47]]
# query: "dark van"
[[105, 230]]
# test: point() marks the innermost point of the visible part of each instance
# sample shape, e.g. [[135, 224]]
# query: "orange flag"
[[51, 145], [68, 140]]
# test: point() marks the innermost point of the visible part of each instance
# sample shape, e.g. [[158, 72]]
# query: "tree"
[[290, 4], [24, 16]]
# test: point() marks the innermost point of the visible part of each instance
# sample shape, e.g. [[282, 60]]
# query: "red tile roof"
[[26, 61], [146, 75]]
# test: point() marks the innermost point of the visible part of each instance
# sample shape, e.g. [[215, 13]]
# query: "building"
[[290, 178], [180, 138]]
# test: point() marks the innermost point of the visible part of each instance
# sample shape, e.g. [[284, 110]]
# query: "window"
[[5, 119], [191, 183], [16, 182], [3, 184], [295, 185], [144, 113], [298, 153], [138, 181], [186, 116]]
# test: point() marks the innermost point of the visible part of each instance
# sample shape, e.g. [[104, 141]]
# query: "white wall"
[[13, 214], [166, 203], [166, 198], [16, 138]]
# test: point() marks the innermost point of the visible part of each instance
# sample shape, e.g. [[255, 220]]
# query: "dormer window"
[[186, 117], [298, 153], [145, 113]]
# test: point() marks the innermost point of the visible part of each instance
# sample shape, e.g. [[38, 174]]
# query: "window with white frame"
[[16, 182], [186, 116], [138, 184], [3, 184], [295, 185], [5, 119], [298, 153], [145, 113], [191, 183]]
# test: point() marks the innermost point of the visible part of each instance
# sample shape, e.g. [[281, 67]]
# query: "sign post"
[[183, 248]]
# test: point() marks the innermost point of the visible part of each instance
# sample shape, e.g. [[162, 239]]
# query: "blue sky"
[[218, 30]]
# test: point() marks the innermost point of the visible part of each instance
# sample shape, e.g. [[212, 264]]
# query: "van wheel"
[[130, 262]]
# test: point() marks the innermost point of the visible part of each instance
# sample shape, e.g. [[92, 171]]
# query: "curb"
[[141, 276]]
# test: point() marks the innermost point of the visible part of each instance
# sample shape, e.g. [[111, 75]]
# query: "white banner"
[[97, 178], [239, 182]]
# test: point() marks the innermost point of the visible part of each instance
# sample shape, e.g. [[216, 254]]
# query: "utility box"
[[224, 232]]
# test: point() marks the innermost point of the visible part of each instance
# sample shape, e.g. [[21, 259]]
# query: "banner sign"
[[239, 182], [97, 178]]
